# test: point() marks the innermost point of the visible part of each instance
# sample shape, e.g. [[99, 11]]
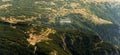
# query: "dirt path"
[[5, 5]]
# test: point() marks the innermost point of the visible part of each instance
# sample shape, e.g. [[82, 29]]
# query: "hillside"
[[59, 27]]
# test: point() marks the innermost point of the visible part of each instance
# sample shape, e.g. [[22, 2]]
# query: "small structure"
[[65, 20]]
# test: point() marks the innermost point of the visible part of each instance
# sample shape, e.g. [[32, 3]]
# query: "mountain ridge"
[[94, 27]]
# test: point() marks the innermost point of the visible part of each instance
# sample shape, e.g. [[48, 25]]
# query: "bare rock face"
[[6, 0], [42, 36]]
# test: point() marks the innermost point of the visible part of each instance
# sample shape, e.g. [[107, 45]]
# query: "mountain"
[[59, 27]]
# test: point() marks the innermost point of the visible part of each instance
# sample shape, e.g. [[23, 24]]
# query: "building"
[[66, 20]]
